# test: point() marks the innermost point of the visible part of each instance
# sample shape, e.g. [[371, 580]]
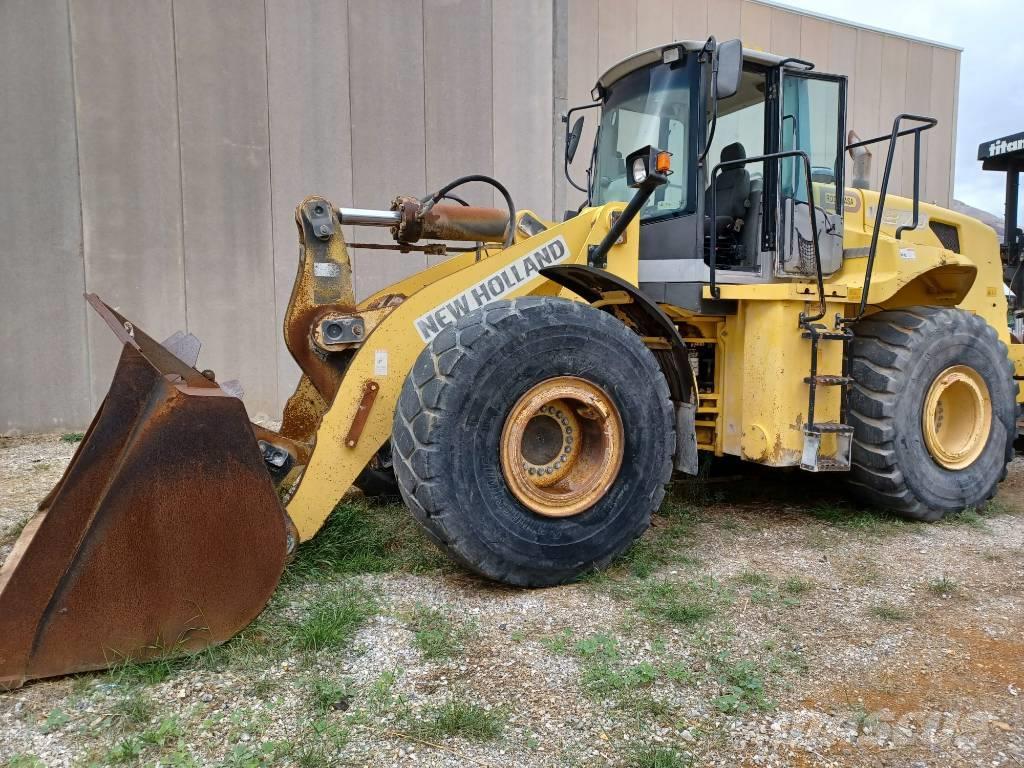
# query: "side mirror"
[[730, 68], [572, 140]]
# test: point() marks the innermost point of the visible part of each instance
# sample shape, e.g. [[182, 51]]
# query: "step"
[[828, 381], [828, 427], [827, 335]]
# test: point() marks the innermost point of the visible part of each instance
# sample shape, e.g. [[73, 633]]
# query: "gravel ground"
[[778, 629]]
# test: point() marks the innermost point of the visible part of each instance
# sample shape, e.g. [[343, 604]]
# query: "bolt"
[[324, 230]]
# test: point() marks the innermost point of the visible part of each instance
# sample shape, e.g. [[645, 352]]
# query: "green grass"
[[436, 635], [362, 536], [754, 579], [660, 545], [944, 586], [24, 761], [167, 730], [135, 707], [331, 620], [889, 612], [742, 684], [463, 720], [794, 585], [325, 695], [13, 531], [657, 757], [55, 720], [869, 521], [72, 437], [689, 603]]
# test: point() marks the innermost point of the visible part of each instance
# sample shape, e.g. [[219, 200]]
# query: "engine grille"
[[948, 235]]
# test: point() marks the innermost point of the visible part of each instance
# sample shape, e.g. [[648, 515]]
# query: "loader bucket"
[[164, 535]]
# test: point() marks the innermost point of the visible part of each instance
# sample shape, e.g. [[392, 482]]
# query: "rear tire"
[[899, 361], [450, 435]]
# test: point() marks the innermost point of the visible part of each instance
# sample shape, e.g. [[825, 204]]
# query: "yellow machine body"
[[757, 410]]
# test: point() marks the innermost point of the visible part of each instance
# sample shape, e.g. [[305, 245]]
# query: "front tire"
[[541, 384], [933, 408]]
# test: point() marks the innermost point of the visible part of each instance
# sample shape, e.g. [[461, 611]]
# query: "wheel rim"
[[957, 417], [561, 446]]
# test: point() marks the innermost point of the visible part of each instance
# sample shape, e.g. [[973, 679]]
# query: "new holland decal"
[[491, 288]]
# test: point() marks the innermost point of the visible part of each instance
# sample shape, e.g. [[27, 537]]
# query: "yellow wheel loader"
[[722, 290]]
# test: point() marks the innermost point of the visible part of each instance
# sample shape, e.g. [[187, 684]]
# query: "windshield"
[[649, 106]]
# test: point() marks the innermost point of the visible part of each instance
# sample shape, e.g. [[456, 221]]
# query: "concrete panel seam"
[[181, 170], [270, 188], [81, 213]]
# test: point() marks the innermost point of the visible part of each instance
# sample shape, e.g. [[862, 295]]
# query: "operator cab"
[[726, 207]]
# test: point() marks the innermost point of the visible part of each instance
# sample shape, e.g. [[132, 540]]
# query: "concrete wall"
[[153, 151], [888, 73]]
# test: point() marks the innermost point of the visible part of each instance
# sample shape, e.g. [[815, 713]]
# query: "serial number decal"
[[491, 288]]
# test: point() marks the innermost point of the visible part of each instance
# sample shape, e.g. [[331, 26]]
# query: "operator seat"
[[732, 193]]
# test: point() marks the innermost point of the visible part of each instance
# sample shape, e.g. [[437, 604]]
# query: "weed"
[[72, 437], [13, 531], [742, 687], [462, 719], [55, 721], [127, 750], [863, 719], [754, 579], [437, 637], [331, 620], [794, 585], [944, 586], [136, 707], [326, 694], [558, 643], [690, 603], [870, 521], [24, 761], [365, 537], [970, 517], [130, 672], [254, 756], [166, 730], [657, 757], [889, 612]]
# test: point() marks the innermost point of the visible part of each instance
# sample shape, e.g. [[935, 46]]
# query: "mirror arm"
[[709, 48]]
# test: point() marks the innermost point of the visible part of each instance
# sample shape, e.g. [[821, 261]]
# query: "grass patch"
[[13, 531], [166, 730], [326, 695], [870, 521], [754, 579], [689, 603], [24, 761], [361, 536], [55, 720], [657, 757], [72, 437], [944, 586], [331, 621], [436, 635], [463, 720], [794, 585], [889, 612], [674, 524], [742, 686], [135, 708]]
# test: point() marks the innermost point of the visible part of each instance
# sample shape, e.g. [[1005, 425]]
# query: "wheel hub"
[[957, 417], [562, 446]]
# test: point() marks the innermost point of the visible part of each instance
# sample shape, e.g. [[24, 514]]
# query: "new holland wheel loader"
[[722, 290]]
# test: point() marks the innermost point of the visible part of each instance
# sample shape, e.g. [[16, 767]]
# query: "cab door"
[[812, 118]]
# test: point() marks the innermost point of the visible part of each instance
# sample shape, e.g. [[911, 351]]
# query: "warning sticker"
[[491, 288]]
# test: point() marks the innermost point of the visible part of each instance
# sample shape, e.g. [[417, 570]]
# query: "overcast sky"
[[991, 84]]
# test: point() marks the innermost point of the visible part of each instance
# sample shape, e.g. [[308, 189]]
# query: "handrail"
[[926, 124], [712, 256]]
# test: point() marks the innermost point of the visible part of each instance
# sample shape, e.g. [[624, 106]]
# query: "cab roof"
[[653, 55]]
